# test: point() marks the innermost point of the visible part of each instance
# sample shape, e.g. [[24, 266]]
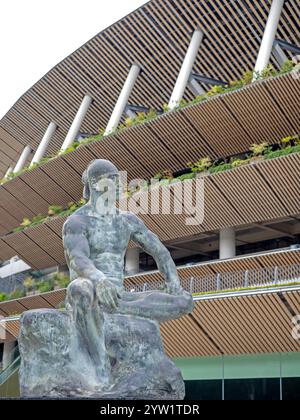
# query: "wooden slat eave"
[[157, 35]]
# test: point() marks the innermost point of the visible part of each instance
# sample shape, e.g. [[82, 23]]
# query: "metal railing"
[[270, 276], [11, 369]]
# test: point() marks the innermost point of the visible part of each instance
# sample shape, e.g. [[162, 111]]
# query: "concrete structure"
[[227, 243], [266, 47], [22, 159], [77, 122], [41, 150], [123, 98], [186, 69]]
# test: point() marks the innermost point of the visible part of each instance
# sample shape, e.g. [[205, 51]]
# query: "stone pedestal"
[[55, 365]]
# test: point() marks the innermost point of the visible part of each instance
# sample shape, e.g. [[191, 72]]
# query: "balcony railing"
[[273, 276]]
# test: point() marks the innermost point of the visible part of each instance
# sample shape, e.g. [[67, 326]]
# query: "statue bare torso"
[[107, 237]]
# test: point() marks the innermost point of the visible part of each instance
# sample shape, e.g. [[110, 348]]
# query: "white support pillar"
[[186, 69], [123, 99], [266, 47], [77, 122], [132, 261], [40, 152], [22, 159], [8, 353], [227, 243]]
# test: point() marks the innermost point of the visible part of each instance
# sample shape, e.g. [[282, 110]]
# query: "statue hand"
[[107, 294]]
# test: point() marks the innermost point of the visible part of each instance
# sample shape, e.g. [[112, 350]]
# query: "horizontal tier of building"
[[263, 264], [223, 126], [157, 37], [247, 324], [261, 192]]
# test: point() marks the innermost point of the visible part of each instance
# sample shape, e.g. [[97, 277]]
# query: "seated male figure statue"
[[95, 239], [117, 350]]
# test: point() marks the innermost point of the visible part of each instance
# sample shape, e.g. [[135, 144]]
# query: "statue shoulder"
[[133, 220], [75, 224]]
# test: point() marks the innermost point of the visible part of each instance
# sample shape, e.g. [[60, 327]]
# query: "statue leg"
[[155, 305], [89, 325]]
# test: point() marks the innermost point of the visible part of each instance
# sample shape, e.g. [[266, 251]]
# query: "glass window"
[[206, 390], [252, 389], [291, 389]]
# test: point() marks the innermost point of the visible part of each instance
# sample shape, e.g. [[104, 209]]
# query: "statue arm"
[[78, 251], [153, 246]]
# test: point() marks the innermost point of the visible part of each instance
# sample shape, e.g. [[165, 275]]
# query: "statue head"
[[99, 172]]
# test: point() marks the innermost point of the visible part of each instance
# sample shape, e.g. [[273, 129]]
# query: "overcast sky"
[[36, 34]]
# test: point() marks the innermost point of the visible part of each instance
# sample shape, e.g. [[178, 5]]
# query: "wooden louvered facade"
[[283, 258], [249, 324], [157, 36], [263, 192], [230, 123]]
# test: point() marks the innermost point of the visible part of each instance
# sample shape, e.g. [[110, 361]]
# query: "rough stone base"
[[53, 364]]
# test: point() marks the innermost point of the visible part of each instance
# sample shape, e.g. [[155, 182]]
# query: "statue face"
[[107, 190]]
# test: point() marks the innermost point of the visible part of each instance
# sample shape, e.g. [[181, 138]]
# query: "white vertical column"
[[186, 69], [227, 243], [8, 355], [40, 152], [22, 159], [77, 122], [266, 47], [132, 261], [123, 99]]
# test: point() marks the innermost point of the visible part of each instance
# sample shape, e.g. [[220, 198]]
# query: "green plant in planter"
[[239, 162], [36, 220], [185, 177], [269, 71], [247, 78], [25, 223], [16, 294], [81, 202], [287, 66], [29, 284], [54, 210], [72, 206], [45, 286], [3, 297], [283, 152], [259, 149], [201, 166], [166, 108], [166, 174], [129, 122], [220, 168], [61, 280], [215, 90], [152, 113], [290, 141]]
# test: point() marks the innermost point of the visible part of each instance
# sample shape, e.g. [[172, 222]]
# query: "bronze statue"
[[116, 332]]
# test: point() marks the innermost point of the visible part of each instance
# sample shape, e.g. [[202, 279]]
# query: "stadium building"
[[177, 90]]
